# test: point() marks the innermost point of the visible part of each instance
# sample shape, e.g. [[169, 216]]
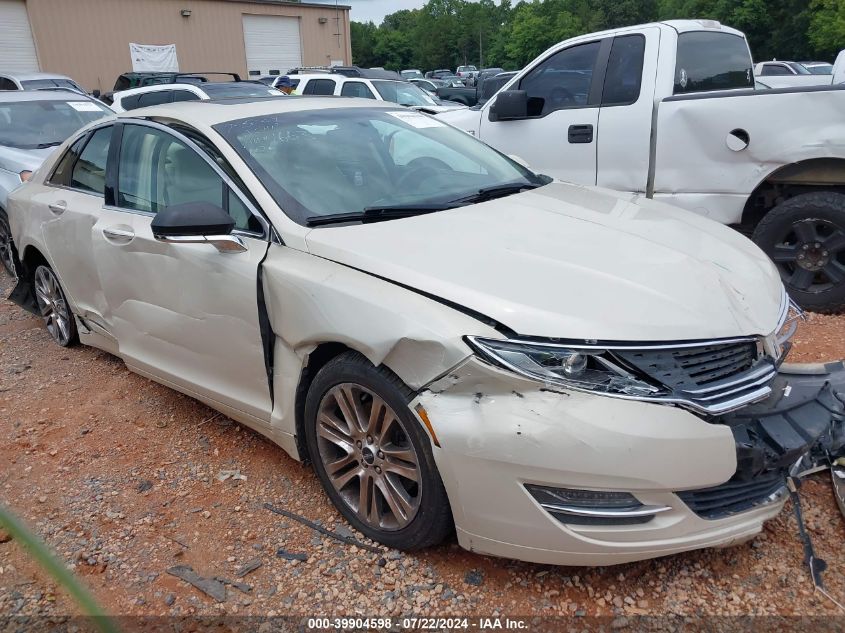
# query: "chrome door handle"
[[58, 207], [121, 236]]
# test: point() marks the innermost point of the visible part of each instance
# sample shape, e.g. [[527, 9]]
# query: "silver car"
[[32, 125], [37, 81]]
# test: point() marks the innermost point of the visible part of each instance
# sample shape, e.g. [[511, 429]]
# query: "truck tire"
[[805, 237]]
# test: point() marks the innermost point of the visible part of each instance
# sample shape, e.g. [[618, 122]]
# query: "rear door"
[[184, 313], [559, 136], [624, 140]]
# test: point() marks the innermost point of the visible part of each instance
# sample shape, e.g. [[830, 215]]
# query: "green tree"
[[826, 29]]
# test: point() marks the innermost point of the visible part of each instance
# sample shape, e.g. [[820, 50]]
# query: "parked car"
[[466, 73], [782, 74], [485, 87], [37, 81], [440, 72], [401, 92], [138, 79], [32, 124], [818, 68], [411, 74], [387, 316], [429, 85], [452, 80], [681, 123], [170, 93]]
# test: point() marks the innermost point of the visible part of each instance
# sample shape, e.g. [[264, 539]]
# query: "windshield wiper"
[[378, 214], [498, 191], [46, 145]]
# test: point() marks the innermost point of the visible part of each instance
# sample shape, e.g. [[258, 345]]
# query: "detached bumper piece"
[[803, 418]]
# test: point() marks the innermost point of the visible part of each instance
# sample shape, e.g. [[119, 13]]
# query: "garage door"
[[272, 44], [17, 50]]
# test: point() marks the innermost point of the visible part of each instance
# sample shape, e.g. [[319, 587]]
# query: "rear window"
[[319, 87], [712, 61]]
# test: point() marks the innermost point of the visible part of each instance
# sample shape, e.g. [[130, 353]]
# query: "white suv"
[[401, 92], [170, 93]]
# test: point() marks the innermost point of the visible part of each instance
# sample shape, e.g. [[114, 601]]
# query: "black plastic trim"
[[750, 92]]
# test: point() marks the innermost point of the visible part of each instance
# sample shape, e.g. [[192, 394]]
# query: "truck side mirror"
[[509, 105]]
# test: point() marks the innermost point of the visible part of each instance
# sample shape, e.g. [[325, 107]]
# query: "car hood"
[[17, 160], [439, 109], [574, 262]]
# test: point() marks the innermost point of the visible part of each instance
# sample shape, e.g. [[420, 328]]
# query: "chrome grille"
[[712, 377], [734, 496]]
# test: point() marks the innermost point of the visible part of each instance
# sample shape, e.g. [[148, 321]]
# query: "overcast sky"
[[375, 10]]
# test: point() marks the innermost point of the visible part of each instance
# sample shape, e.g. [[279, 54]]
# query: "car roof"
[[9, 96], [209, 113], [27, 76]]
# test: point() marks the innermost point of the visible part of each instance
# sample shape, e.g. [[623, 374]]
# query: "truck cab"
[[669, 111]]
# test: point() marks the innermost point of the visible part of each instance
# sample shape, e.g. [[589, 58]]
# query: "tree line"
[[448, 33]]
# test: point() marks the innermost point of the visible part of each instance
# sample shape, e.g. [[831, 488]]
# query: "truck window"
[[561, 81], [775, 69], [320, 87], [712, 61], [624, 71], [356, 89]]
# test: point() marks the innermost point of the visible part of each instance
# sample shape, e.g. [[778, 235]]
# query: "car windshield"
[[411, 74], [40, 124], [820, 69], [403, 93], [239, 89], [39, 84], [798, 68], [339, 161]]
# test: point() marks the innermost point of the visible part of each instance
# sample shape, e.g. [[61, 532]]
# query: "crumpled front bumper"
[[721, 478]]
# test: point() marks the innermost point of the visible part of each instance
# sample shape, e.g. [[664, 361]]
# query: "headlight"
[[585, 369]]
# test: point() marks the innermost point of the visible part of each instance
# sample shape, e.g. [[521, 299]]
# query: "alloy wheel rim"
[[368, 456], [52, 305], [6, 247], [810, 255]]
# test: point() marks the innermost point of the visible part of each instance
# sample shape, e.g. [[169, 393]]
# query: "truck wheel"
[[805, 237], [6, 257]]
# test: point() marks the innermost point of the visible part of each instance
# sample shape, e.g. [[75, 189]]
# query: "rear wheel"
[[54, 307], [6, 257], [805, 237], [372, 457]]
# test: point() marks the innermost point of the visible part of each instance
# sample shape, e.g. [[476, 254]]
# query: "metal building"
[[89, 39]]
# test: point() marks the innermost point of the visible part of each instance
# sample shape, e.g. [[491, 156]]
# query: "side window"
[[561, 81], [184, 95], [7, 84], [61, 174], [122, 83], [158, 170], [89, 172], [129, 102], [356, 89], [320, 87], [774, 69], [155, 98], [624, 71]]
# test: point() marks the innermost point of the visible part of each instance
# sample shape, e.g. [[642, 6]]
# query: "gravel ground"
[[120, 476]]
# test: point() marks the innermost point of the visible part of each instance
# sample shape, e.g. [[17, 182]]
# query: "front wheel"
[[374, 460], [805, 237], [54, 307], [6, 257]]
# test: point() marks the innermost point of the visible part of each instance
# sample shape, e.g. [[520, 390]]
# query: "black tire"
[[432, 520], [805, 237], [54, 307], [6, 257]]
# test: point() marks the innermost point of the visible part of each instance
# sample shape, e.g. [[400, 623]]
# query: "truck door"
[[558, 137], [624, 145]]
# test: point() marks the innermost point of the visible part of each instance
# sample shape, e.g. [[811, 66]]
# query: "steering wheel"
[[561, 97], [420, 169]]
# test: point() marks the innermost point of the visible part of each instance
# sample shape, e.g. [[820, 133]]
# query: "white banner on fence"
[[154, 58]]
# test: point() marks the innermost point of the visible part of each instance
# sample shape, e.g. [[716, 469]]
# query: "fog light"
[[593, 507]]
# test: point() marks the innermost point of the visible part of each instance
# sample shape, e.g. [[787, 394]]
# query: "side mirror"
[[197, 223], [509, 105], [96, 93]]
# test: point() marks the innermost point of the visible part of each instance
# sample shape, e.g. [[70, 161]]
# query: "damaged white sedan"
[[563, 375]]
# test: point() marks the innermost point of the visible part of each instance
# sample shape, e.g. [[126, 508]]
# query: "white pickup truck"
[[669, 111]]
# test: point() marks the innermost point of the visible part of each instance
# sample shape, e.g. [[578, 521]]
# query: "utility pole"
[[480, 51]]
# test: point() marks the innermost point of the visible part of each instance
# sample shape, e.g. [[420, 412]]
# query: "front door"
[[559, 137], [185, 313]]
